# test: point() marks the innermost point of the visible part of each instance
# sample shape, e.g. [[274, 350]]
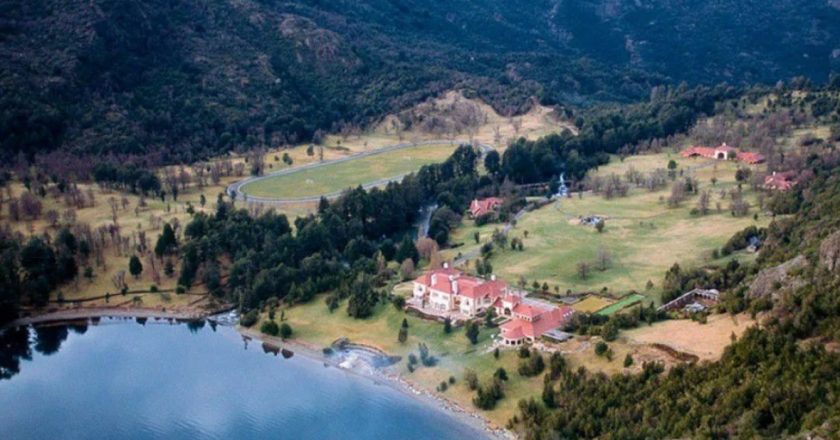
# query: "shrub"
[[398, 302], [153, 288], [285, 330], [471, 379], [249, 319], [601, 348], [531, 366], [270, 328]]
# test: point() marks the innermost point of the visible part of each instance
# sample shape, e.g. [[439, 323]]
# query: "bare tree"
[[30, 206], [112, 202], [119, 279], [426, 247], [583, 270], [703, 203], [677, 195], [51, 216], [14, 209], [256, 159], [516, 123], [604, 258]]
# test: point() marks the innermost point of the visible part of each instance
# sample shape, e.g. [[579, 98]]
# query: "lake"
[[121, 379]]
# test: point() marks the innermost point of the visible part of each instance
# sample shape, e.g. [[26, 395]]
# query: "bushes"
[[285, 330], [471, 379], [532, 365], [249, 319], [741, 239], [487, 395], [471, 332], [270, 328]]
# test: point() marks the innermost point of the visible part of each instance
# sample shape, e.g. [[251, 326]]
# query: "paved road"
[[235, 189]]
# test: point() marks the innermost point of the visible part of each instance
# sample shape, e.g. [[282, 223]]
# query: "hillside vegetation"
[[175, 81]]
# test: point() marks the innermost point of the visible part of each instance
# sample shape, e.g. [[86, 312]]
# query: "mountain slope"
[[175, 80]]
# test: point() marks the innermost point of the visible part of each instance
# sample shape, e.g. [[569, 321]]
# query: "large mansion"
[[450, 293], [450, 290]]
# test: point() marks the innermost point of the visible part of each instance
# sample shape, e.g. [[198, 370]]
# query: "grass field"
[[343, 175], [706, 341], [591, 304], [623, 303], [643, 236]]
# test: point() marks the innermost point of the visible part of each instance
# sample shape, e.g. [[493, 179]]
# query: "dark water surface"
[[126, 380]]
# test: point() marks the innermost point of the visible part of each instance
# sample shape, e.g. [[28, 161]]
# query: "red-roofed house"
[[449, 290], [724, 152], [479, 207], [530, 321], [781, 181], [750, 158]]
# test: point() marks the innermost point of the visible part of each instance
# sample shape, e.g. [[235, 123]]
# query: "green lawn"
[[623, 303], [643, 236], [339, 176], [313, 323]]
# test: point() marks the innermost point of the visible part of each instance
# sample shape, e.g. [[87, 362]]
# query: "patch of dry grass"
[[706, 341]]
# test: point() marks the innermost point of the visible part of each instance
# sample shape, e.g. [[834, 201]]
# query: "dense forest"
[[177, 81]]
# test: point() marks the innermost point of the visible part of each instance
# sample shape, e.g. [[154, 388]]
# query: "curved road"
[[235, 189]]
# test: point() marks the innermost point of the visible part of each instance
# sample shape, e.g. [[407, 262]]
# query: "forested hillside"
[[175, 80]]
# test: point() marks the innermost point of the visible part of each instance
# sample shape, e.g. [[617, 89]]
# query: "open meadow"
[[333, 177], [642, 237]]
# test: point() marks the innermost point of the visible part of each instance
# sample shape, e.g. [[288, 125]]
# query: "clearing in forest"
[[642, 238], [337, 176], [705, 341]]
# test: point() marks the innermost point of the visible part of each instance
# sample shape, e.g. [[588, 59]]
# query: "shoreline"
[[79, 313], [393, 380]]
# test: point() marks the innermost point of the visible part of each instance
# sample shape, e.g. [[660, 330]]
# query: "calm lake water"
[[126, 380]]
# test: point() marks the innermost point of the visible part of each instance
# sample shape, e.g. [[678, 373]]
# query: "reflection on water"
[[198, 380]]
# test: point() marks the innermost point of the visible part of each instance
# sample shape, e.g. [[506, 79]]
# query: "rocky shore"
[[387, 377]]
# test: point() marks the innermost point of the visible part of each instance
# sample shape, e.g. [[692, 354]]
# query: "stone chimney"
[[454, 283]]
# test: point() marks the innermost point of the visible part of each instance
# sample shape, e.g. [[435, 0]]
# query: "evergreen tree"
[[135, 267], [471, 332]]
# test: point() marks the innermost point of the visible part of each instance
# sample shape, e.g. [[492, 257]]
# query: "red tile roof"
[[699, 151], [479, 207], [467, 286], [750, 157], [781, 181], [548, 319], [747, 157]]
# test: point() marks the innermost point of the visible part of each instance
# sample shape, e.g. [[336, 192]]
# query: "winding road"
[[235, 189]]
